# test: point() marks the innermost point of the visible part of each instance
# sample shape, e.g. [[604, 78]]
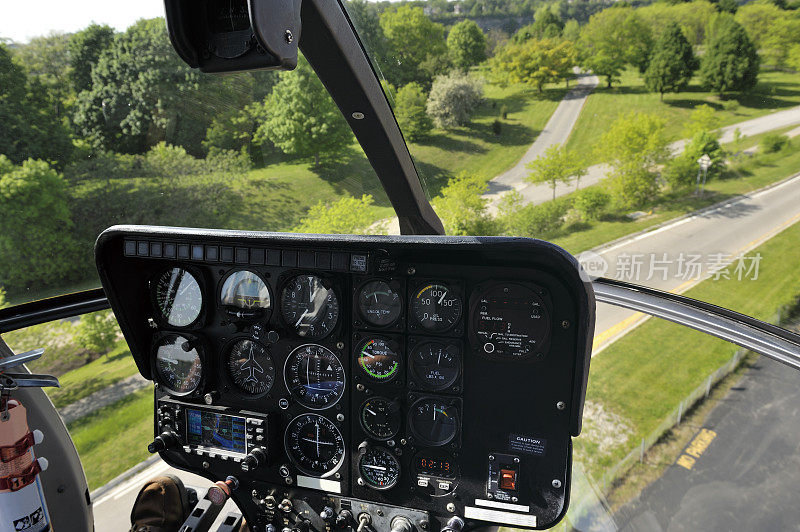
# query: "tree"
[[365, 16], [85, 48], [410, 112], [300, 117], [572, 30], [466, 44], [97, 332], [702, 118], [693, 18], [591, 202], [727, 6], [29, 126], [345, 216], [612, 39], [758, 19], [463, 208], [453, 99], [556, 165], [776, 46], [534, 62], [672, 63], [731, 62], [546, 25], [412, 38], [35, 239]]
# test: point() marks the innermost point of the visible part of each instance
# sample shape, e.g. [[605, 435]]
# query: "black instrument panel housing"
[[507, 409]]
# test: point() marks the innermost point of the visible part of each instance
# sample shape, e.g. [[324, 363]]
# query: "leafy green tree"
[[85, 47], [612, 39], [365, 16], [35, 239], [466, 44], [793, 58], [591, 202], [758, 19], [572, 30], [672, 63], [702, 118], [776, 46], [47, 60], [727, 6], [556, 165], [300, 117], [345, 216], [693, 17], [29, 125], [546, 25], [412, 39], [534, 62], [730, 62], [97, 332], [463, 208], [410, 112], [539, 221], [453, 99], [681, 171]]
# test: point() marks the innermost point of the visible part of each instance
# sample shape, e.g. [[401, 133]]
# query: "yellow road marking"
[[696, 447]]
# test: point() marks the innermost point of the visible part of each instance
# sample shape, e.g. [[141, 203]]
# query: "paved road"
[[747, 477]]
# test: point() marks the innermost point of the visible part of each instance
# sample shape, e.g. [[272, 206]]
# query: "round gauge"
[[379, 359], [433, 422], [179, 297], [436, 308], [379, 468], [314, 376], [314, 444], [246, 294], [178, 364], [250, 366], [436, 365], [309, 307], [380, 417], [510, 321], [378, 304]]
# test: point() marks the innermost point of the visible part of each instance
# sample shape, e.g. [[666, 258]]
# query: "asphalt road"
[[746, 478]]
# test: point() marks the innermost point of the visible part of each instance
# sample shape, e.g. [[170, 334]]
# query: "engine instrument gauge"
[[379, 468], [380, 417], [178, 297], [309, 306], [379, 304], [436, 307], [250, 366], [245, 294], [379, 359], [433, 422], [314, 376], [178, 364], [314, 444], [436, 365], [510, 321]]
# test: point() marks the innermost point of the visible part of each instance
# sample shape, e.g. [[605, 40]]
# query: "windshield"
[[656, 141]]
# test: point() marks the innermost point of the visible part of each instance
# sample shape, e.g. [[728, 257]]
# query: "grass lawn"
[[114, 439], [775, 91], [640, 381]]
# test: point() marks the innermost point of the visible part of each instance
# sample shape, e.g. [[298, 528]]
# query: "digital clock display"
[[434, 465]]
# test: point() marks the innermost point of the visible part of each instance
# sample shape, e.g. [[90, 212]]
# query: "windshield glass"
[[656, 141]]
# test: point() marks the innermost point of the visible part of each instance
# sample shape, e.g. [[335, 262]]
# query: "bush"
[[227, 161], [462, 207], [681, 172], [730, 105], [453, 99], [497, 127], [345, 216], [537, 221], [590, 202], [97, 332], [410, 112], [166, 160], [633, 185], [773, 143], [504, 112], [106, 164]]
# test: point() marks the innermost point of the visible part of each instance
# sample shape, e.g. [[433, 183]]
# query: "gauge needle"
[[371, 412], [303, 315], [379, 468], [442, 298]]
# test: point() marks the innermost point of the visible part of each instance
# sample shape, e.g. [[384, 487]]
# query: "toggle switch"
[[507, 480]]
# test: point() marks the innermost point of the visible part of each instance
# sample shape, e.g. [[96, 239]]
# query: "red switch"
[[507, 480]]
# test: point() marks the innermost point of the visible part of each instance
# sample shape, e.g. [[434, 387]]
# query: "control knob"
[[256, 458], [164, 441]]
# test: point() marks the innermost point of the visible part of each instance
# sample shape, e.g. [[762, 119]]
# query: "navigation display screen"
[[217, 431]]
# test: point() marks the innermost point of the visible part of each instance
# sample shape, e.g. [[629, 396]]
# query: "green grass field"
[[775, 91], [640, 381]]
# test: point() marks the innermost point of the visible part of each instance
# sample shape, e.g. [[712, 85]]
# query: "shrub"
[[537, 221], [410, 112], [504, 112], [773, 142], [590, 202], [344, 216], [166, 160], [227, 161], [462, 207], [97, 332], [730, 105], [3, 302], [633, 185], [497, 127], [453, 99]]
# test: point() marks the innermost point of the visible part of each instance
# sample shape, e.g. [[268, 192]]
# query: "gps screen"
[[215, 430]]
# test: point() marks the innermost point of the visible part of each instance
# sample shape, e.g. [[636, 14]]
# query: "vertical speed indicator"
[[436, 307]]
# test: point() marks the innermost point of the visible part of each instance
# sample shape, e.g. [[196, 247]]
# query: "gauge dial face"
[[251, 367], [309, 307], [436, 308], [314, 444], [246, 291], [380, 417], [179, 297], [433, 422], [314, 376], [379, 468], [379, 304], [379, 359], [436, 365], [510, 321], [178, 365]]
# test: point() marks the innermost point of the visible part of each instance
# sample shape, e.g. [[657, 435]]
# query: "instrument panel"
[[401, 380]]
